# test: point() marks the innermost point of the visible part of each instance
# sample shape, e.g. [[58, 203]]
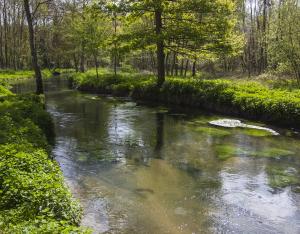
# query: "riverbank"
[[247, 99], [33, 196], [13, 76]]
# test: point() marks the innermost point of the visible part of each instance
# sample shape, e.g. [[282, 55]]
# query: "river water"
[[149, 169]]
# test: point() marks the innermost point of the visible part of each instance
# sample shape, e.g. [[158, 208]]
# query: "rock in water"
[[234, 123], [227, 123]]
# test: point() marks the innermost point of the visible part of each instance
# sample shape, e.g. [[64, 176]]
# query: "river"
[[150, 169]]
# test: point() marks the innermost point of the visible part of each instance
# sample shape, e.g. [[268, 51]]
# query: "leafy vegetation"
[[280, 177], [8, 75], [249, 99], [34, 198]]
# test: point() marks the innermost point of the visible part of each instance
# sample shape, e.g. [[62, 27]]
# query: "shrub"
[[243, 98], [33, 196]]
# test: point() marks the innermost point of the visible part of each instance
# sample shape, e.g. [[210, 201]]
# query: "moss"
[[256, 132], [82, 158], [225, 151], [279, 177], [213, 131], [272, 153]]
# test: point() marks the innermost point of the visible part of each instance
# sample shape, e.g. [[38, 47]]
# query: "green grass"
[[33, 196], [11, 75]]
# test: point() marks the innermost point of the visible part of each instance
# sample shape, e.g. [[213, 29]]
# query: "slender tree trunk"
[[194, 69], [173, 64], [1, 42], [82, 59], [186, 67], [96, 65], [181, 67], [115, 45], [5, 33], [37, 71], [75, 63], [176, 65], [167, 64], [159, 46]]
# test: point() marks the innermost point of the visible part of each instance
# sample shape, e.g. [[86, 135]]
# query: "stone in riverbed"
[[234, 123]]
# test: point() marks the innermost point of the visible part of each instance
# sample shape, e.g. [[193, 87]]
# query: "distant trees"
[[271, 28], [190, 29], [284, 38], [35, 65], [174, 38]]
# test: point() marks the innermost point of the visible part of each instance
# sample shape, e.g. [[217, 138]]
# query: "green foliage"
[[272, 153], [278, 177], [248, 99], [4, 91], [284, 45], [33, 196], [196, 29], [12, 75]]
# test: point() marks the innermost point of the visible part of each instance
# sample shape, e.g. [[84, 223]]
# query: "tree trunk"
[[167, 64], [81, 68], [115, 45], [181, 67], [186, 67], [173, 64], [96, 65], [37, 71], [194, 69], [159, 46]]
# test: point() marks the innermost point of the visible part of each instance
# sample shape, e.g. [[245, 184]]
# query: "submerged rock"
[[234, 123]]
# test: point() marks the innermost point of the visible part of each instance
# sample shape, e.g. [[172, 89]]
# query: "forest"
[[180, 38], [98, 97]]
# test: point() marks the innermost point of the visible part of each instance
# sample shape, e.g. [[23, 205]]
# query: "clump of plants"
[[211, 131], [280, 177], [33, 196], [248, 99]]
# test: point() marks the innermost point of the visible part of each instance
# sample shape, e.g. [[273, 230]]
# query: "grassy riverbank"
[[248, 99], [13, 76], [33, 196]]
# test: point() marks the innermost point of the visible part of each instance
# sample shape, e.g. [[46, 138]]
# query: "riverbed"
[[140, 168]]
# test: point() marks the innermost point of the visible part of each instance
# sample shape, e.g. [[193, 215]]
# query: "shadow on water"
[[145, 169], [159, 135]]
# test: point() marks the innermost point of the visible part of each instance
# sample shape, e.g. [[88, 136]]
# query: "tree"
[[37, 70], [284, 48], [97, 30], [193, 28]]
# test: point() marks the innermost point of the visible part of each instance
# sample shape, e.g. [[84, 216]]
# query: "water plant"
[[280, 177]]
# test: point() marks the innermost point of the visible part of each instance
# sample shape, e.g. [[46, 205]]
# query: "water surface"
[[142, 169]]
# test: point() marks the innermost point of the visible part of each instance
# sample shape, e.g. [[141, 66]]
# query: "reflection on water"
[[138, 169]]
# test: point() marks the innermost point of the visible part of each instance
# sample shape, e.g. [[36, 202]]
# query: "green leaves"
[[33, 196], [249, 99], [193, 28]]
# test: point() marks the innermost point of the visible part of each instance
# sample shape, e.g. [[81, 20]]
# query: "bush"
[[247, 99], [33, 196]]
